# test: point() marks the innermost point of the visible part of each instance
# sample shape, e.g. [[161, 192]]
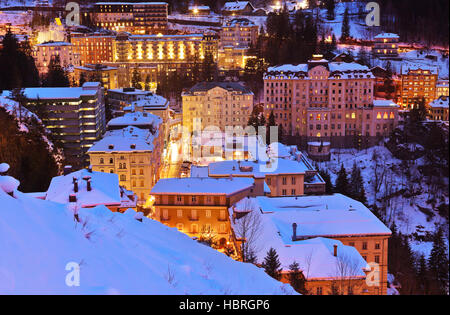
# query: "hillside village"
[[223, 147]]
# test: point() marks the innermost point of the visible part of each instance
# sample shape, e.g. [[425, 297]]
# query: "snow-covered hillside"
[[116, 253], [398, 187]]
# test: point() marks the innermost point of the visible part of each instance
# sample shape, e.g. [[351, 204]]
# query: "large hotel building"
[[136, 18], [148, 54], [324, 100], [418, 81]]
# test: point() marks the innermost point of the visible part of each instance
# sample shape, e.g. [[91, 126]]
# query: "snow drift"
[[116, 254]]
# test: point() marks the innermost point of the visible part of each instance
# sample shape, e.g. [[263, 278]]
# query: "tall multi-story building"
[[217, 104], [43, 53], [133, 154], [236, 37], [74, 115], [133, 17], [324, 100], [385, 45], [239, 32], [93, 48], [418, 81]]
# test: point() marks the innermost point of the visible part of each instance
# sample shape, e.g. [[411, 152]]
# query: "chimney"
[[89, 187], [72, 198], [90, 169], [294, 231], [67, 169], [335, 250], [75, 185]]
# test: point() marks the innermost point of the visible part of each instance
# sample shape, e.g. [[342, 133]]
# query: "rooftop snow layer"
[[127, 139], [105, 189], [200, 186], [116, 254]]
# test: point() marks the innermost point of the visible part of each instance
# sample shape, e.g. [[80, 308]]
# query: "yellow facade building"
[[133, 153], [217, 104]]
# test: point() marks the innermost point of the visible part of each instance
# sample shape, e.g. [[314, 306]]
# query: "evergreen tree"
[[296, 278], [82, 79], [422, 275], [326, 177], [147, 83], [438, 265], [17, 67], [272, 264], [270, 123], [356, 185], [329, 4], [56, 76], [342, 185], [345, 30], [136, 79]]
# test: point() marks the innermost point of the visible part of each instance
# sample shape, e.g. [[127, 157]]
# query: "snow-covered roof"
[[384, 103], [136, 119], [240, 22], [198, 7], [325, 216], [105, 189], [151, 102], [47, 44], [130, 3], [344, 69], [236, 5], [314, 255], [201, 186], [129, 139], [440, 102], [199, 171], [411, 66], [130, 91], [278, 150], [256, 168], [63, 93], [318, 143], [387, 35]]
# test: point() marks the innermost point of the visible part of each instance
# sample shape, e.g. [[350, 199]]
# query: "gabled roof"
[[236, 6]]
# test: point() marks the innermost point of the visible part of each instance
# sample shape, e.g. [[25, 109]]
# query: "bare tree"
[[346, 271], [248, 227]]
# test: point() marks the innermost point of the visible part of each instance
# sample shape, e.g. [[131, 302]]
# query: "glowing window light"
[[160, 51]]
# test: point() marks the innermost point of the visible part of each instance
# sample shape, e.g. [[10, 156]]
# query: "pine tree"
[[330, 9], [56, 76], [272, 264], [345, 30], [82, 79], [342, 185], [296, 278], [356, 185], [438, 265], [422, 275], [136, 79], [326, 177]]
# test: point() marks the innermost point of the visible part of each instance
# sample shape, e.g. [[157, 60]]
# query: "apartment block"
[[74, 115], [385, 45], [418, 81], [133, 17]]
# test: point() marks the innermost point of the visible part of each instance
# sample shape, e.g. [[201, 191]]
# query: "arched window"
[[102, 161], [123, 177]]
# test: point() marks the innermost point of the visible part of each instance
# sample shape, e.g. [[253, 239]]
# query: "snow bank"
[[116, 254]]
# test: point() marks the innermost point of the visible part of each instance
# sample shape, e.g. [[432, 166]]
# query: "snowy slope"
[[402, 209], [117, 255]]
